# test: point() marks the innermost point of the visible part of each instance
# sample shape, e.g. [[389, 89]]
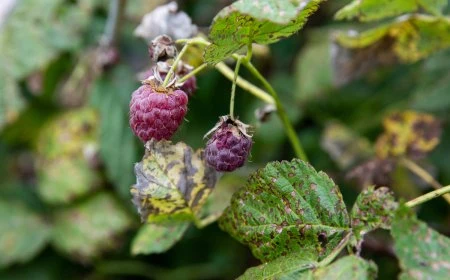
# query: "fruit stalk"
[[174, 65], [233, 87]]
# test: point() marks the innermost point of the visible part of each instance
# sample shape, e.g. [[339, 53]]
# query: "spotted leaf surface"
[[287, 207], [409, 134], [245, 22], [374, 208], [369, 10], [423, 252], [408, 39], [157, 238], [86, 230], [173, 181]]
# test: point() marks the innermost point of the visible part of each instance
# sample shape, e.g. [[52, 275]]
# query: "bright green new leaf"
[[374, 208], [241, 24], [423, 252], [348, 268], [86, 230], [292, 266], [369, 10], [22, 233], [67, 148], [409, 38], [173, 181], [287, 207], [157, 238]]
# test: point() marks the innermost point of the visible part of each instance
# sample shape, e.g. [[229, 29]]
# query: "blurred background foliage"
[[67, 153]]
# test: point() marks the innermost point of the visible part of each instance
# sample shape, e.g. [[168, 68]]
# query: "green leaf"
[[118, 146], [369, 10], [292, 266], [374, 208], [32, 36], [409, 38], [348, 268], [11, 101], [67, 149], [23, 234], [157, 238], [287, 207], [241, 24], [423, 252], [92, 227], [173, 181]]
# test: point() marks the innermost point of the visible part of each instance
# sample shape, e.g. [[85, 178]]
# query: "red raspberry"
[[229, 146], [155, 112]]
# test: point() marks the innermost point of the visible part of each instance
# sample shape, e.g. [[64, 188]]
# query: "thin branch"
[[428, 196]]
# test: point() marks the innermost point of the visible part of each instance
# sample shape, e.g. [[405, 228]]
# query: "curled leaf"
[[173, 181]]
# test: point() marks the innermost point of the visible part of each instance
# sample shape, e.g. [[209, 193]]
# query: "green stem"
[[233, 87], [296, 144], [428, 196], [328, 259], [193, 73], [173, 68]]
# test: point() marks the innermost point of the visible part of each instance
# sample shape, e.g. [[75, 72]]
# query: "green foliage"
[[423, 252], [157, 238], [173, 182], [369, 10], [118, 147], [11, 101], [287, 207], [87, 229], [22, 233], [374, 208], [246, 22], [68, 145], [348, 268]]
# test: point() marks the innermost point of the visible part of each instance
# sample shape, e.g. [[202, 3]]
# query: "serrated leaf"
[[408, 39], [11, 101], [287, 207], [423, 252], [173, 182], [87, 229], [157, 238], [369, 10], [236, 26], [22, 233], [348, 268], [374, 208], [31, 36], [408, 133], [67, 149], [292, 266], [344, 146], [118, 146]]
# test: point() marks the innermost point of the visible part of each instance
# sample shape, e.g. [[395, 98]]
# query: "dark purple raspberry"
[[155, 112], [229, 146]]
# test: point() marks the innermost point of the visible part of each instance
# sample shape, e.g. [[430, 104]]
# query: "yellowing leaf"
[[409, 134], [173, 181]]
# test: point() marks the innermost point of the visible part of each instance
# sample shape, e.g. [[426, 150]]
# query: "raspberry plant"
[[241, 197]]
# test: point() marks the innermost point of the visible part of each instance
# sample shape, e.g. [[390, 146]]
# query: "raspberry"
[[155, 112], [229, 146]]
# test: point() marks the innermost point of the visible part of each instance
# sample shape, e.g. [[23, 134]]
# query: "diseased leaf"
[[423, 252], [22, 233], [408, 39], [235, 26], [11, 101], [118, 146], [157, 238], [369, 10], [287, 207], [292, 266], [173, 182], [86, 230], [67, 148], [348, 268], [374, 208], [344, 146], [409, 134]]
